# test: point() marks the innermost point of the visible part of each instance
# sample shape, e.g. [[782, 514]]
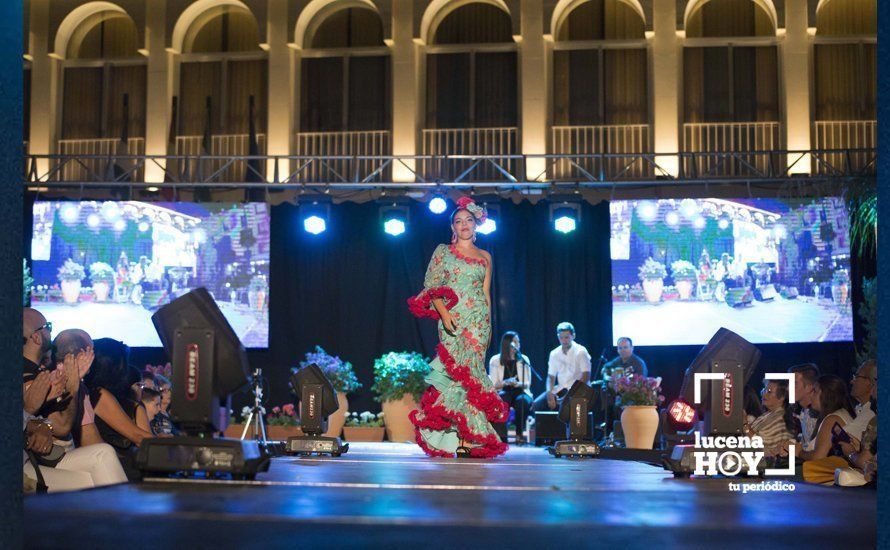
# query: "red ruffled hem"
[[438, 417], [489, 402], [421, 305]]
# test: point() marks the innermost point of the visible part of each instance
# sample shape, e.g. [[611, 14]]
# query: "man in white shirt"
[[568, 363], [864, 380], [806, 378]]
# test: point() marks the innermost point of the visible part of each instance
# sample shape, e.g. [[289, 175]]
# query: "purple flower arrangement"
[[637, 390]]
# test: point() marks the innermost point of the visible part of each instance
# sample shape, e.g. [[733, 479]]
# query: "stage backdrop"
[[346, 290]]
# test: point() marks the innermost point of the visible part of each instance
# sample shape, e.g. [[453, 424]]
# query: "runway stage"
[[390, 495]]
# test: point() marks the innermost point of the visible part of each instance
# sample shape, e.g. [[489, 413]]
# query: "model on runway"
[[457, 409]]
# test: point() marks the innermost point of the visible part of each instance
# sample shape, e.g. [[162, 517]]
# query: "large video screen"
[[771, 270], [106, 267]]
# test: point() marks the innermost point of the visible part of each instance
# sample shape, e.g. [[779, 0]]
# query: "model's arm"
[[486, 284]]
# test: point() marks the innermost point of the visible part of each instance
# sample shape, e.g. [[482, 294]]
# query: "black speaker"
[[317, 397], [725, 414], [724, 346], [197, 309], [576, 410], [549, 428], [194, 403]]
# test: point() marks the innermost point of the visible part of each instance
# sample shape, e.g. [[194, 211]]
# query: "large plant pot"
[[839, 293], [338, 419], [639, 424], [101, 290], [71, 291], [684, 287], [653, 288], [395, 417], [365, 433]]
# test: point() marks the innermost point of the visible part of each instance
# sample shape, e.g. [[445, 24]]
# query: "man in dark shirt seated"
[[626, 360]]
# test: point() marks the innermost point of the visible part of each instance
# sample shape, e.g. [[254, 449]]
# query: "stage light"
[[120, 225], [314, 225], [672, 218], [93, 221], [699, 223], [438, 205], [565, 216], [394, 218], [493, 213], [723, 223], [490, 226], [69, 213], [564, 224], [152, 189], [144, 226], [681, 415], [647, 210], [110, 211], [317, 400]]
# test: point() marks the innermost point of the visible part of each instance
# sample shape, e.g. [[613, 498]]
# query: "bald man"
[[93, 463]]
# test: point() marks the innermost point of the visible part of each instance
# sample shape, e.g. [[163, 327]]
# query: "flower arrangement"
[[27, 281], [366, 419], [652, 269], [284, 415], [638, 390], [397, 374], [100, 272], [339, 372], [681, 270], [71, 271], [840, 277], [164, 370]]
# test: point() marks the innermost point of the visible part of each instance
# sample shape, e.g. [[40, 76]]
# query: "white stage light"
[[144, 226], [315, 225], [69, 213], [394, 227], [647, 210], [93, 220], [120, 225], [110, 211], [488, 227], [723, 223], [672, 218], [699, 223], [438, 205], [565, 224], [689, 208]]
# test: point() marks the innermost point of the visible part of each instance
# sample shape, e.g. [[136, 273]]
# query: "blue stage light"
[[647, 210], [564, 224], [69, 213], [490, 226], [438, 205], [315, 225]]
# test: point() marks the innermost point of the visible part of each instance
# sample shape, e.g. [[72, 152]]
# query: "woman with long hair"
[[457, 410], [832, 400], [510, 372]]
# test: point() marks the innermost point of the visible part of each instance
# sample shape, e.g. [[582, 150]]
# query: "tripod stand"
[[255, 418]]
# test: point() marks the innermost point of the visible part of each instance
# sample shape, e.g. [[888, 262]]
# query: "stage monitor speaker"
[[765, 293], [739, 297], [725, 414], [198, 310], [724, 346], [549, 428], [318, 400], [576, 408]]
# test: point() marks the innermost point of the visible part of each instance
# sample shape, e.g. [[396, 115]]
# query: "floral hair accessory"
[[470, 206]]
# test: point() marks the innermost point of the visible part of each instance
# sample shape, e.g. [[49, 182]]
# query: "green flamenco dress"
[[461, 402]]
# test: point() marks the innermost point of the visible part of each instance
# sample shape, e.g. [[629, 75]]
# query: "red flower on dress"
[[422, 305]]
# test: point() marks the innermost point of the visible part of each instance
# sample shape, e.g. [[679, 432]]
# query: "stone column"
[[534, 80], [796, 85], [158, 92], [405, 89], [280, 123], [666, 51]]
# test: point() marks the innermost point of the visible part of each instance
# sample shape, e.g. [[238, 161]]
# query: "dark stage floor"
[[389, 495]]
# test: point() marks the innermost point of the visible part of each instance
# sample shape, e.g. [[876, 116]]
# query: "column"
[[280, 123], [796, 85], [405, 89], [158, 93], [44, 85], [534, 82], [666, 50]]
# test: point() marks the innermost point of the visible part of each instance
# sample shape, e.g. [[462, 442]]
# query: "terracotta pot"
[[71, 291], [395, 417], [684, 287], [639, 424], [101, 290], [336, 420], [363, 433], [653, 289], [280, 433]]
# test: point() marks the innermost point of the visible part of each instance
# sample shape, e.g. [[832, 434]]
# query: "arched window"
[[730, 84], [600, 86], [471, 84]]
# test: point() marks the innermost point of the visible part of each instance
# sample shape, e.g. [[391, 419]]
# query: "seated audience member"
[[161, 425], [777, 424], [832, 401], [806, 377], [151, 402], [862, 454], [862, 387], [117, 415], [753, 408], [510, 372], [136, 378], [66, 452]]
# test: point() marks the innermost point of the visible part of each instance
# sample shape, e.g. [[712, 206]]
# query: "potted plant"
[[70, 275], [652, 273], [366, 426], [27, 281], [342, 377], [282, 422], [398, 384], [638, 396], [257, 291], [840, 286], [102, 277], [684, 276]]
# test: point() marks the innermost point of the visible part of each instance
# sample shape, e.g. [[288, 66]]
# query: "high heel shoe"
[[463, 452]]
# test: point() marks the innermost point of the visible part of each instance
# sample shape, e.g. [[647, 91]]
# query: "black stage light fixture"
[[318, 400], [575, 412], [209, 363]]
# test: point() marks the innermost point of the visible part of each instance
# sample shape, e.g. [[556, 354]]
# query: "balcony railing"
[[220, 169], [343, 144], [616, 139], [496, 143], [846, 135], [736, 138], [100, 147]]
